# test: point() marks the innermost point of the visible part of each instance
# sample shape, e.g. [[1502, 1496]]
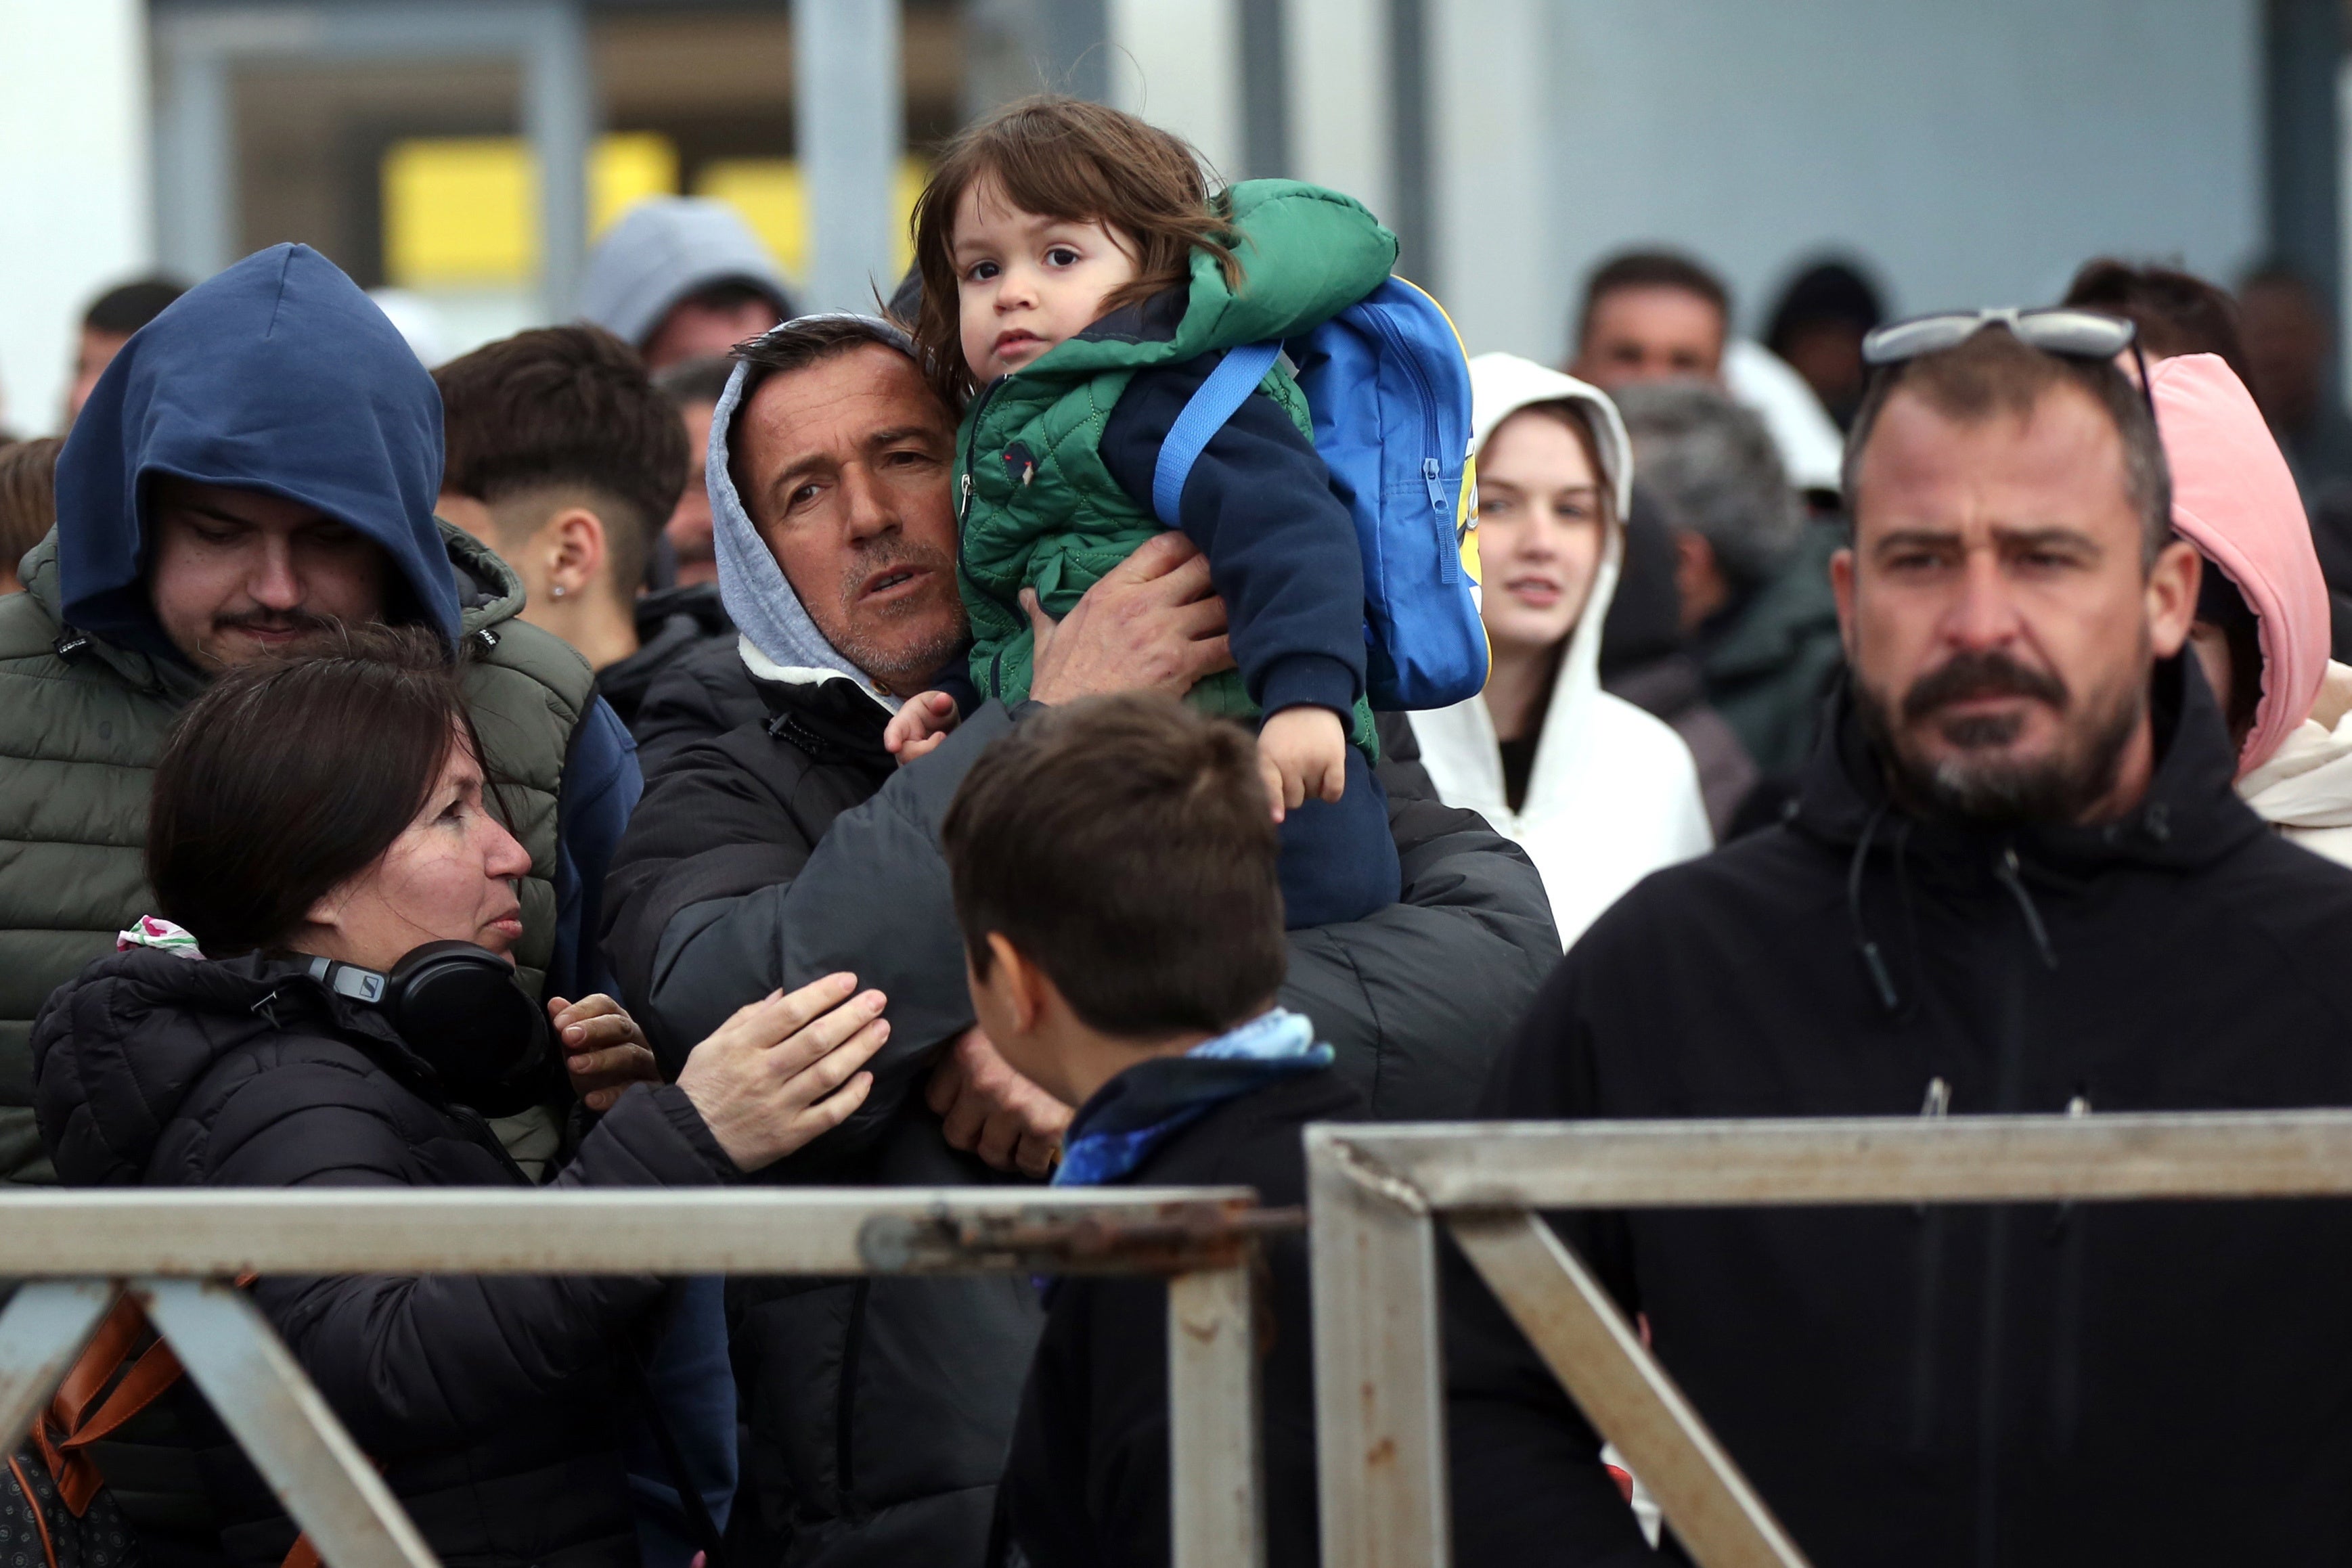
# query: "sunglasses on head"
[[2061, 330], [2069, 333]]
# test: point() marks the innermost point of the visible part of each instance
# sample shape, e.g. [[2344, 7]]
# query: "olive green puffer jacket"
[[1038, 507], [81, 724]]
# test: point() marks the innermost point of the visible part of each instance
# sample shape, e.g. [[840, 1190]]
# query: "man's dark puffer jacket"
[[492, 1403]]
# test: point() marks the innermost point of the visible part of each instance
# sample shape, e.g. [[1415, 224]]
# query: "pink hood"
[[2234, 498]]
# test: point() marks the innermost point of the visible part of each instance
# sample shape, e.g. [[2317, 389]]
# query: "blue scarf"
[[1149, 1103]]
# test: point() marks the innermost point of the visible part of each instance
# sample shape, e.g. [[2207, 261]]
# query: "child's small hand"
[[918, 725], [1303, 753]]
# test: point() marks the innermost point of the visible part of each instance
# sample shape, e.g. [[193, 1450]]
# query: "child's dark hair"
[[1065, 158], [1125, 845]]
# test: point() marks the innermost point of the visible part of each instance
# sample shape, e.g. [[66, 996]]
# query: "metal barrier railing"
[[175, 1252], [1376, 1193]]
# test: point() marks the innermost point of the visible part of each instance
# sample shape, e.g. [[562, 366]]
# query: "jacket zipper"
[[2070, 1230], [846, 1398], [963, 561], [1449, 547], [1928, 1320]]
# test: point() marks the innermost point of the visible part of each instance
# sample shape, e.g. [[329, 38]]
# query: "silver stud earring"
[[557, 591]]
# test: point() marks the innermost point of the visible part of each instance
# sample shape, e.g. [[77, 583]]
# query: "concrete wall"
[[74, 203], [1974, 151]]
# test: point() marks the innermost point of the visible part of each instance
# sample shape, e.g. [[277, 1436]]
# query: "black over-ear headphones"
[[458, 1007]]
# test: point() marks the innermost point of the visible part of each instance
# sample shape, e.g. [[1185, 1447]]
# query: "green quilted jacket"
[[1038, 508], [79, 735]]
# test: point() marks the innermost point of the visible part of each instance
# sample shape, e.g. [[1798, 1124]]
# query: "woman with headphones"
[[329, 999]]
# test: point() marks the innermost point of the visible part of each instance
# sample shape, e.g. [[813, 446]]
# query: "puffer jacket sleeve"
[[1415, 999], [406, 1361]]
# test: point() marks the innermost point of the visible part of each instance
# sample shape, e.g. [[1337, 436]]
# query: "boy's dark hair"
[[2176, 312], [1992, 371], [1065, 158], [127, 306], [566, 407], [28, 496], [1652, 269], [1125, 845], [290, 776]]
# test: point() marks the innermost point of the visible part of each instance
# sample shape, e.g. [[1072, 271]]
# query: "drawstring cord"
[[1871, 960], [2004, 872]]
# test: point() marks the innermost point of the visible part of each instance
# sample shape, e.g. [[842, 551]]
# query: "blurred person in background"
[[1751, 572], [682, 278], [2260, 634], [316, 821], [260, 464], [564, 459], [694, 388], [1598, 792], [1645, 658], [1817, 327], [1656, 314], [2176, 312], [28, 502], [108, 324], [2289, 334]]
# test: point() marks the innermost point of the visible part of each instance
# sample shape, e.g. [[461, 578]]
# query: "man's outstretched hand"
[[1152, 623], [987, 1109]]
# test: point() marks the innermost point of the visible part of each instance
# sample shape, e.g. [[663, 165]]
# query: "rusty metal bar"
[[1216, 1460], [1178, 1238], [41, 1333], [1858, 1160], [213, 1232], [1627, 1395], [252, 1384], [1378, 1403]]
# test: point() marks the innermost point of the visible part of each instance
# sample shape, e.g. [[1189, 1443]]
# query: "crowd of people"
[[702, 744]]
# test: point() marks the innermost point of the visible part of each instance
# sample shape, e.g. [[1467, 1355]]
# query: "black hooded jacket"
[[492, 1403], [2021, 1385]]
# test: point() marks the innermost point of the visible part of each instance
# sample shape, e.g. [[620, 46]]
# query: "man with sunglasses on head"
[[2016, 880]]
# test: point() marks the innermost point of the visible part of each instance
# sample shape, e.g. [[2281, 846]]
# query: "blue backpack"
[[1388, 390]]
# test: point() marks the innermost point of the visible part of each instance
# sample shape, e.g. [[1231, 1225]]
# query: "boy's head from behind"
[[1043, 217], [563, 458], [1113, 862]]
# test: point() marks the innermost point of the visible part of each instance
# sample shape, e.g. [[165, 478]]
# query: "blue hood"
[[277, 375]]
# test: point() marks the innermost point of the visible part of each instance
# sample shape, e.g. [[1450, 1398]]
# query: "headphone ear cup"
[[460, 1008]]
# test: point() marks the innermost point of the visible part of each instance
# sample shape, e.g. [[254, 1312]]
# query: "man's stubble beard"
[[1988, 791], [896, 655]]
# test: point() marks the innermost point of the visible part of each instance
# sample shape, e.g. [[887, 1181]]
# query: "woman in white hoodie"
[[1598, 793]]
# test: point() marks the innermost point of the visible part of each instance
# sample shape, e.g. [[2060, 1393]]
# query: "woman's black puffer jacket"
[[493, 1404]]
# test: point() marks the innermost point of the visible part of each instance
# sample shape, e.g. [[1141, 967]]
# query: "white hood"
[[1812, 449], [1613, 794], [2304, 789]]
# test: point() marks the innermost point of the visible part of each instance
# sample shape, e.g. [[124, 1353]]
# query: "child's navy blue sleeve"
[[1281, 546]]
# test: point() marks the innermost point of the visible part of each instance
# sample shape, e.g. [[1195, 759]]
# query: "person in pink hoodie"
[[2261, 629]]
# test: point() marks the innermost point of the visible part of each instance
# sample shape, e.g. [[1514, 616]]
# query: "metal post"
[[232, 1354], [559, 117], [849, 121], [195, 158], [43, 1330], [1215, 1463], [1378, 1402], [1628, 1397]]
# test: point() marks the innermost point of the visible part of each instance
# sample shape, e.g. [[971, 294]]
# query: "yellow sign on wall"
[[463, 211]]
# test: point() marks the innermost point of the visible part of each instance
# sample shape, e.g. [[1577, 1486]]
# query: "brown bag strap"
[[301, 1554]]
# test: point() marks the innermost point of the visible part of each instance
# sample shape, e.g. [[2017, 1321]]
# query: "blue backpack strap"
[[1235, 377]]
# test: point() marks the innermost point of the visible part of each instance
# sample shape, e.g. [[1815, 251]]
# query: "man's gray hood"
[[779, 643], [662, 250]]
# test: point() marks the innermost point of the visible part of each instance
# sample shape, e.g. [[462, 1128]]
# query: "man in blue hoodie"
[[262, 458]]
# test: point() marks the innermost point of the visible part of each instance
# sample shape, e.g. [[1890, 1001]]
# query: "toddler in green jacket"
[[1079, 283]]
